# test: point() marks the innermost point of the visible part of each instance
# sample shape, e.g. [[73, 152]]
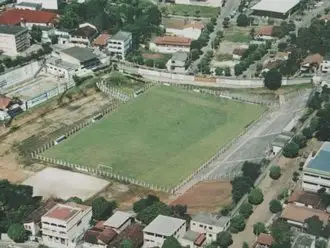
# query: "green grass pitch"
[[159, 137]]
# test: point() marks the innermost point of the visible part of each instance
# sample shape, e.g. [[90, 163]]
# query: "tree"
[[36, 33], [219, 71], [273, 79], [245, 245], [171, 242], [300, 140], [101, 208], [251, 170], [224, 239], [141, 204], [256, 197], [2, 68], [240, 186], [275, 206], [237, 224], [281, 232], [242, 20], [275, 172], [225, 22], [151, 212], [258, 228], [126, 243], [291, 150], [75, 199], [246, 209], [320, 243], [17, 233], [314, 226], [227, 71], [307, 132]]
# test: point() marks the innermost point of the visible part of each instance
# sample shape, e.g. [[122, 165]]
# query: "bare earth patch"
[[152, 55], [206, 196]]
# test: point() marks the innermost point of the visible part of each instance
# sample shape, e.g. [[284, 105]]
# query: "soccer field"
[[159, 137]]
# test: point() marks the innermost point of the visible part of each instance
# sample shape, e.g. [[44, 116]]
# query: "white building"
[[120, 44], [161, 228], [183, 28], [28, 5], [210, 3], [45, 4], [275, 9], [177, 63], [13, 39], [170, 44], [316, 171], [119, 221], [64, 224], [325, 66], [209, 225]]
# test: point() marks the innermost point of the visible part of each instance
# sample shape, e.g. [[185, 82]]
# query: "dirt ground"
[[206, 196], [152, 55]]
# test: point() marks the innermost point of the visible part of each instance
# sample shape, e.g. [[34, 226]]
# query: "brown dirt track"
[[206, 196]]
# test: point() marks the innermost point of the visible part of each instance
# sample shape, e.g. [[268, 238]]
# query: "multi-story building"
[[316, 171], [183, 28], [161, 228], [83, 35], [13, 39], [209, 225], [45, 4], [170, 44], [64, 224], [120, 44], [119, 221]]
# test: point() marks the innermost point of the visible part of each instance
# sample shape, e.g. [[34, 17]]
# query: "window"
[[210, 235], [310, 183], [194, 224], [200, 225], [210, 227], [311, 175]]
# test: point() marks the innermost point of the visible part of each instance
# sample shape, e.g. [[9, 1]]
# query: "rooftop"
[[180, 56], [4, 102], [9, 29], [265, 239], [85, 31], [101, 40], [300, 214], [16, 16], [266, 30], [307, 198], [197, 238], [118, 219], [181, 24], [65, 211], [80, 53], [36, 215], [121, 35], [172, 40], [313, 59], [133, 232], [211, 219], [321, 160], [28, 4], [277, 6], [164, 225], [105, 235]]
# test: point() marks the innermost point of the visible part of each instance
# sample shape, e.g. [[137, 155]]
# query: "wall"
[[8, 44], [211, 234], [192, 33], [168, 49], [46, 4]]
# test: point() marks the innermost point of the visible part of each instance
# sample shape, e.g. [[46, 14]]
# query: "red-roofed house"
[[264, 240], [265, 33], [101, 41], [28, 18], [64, 223], [170, 44]]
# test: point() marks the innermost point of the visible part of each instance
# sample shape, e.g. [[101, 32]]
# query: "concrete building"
[[64, 224], [13, 39], [325, 65], [181, 27], [210, 3], [209, 224], [120, 44], [28, 5], [119, 221], [316, 171], [84, 35], [161, 228], [45, 4], [193, 239], [275, 9], [170, 44], [177, 63], [306, 199]]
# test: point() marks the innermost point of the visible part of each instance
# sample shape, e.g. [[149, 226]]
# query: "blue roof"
[[321, 161]]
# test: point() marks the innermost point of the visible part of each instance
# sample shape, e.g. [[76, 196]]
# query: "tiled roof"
[[307, 198], [265, 30], [4, 102], [300, 214], [101, 40], [313, 59], [265, 239], [133, 232], [107, 235], [36, 215], [16, 16], [172, 40], [181, 24]]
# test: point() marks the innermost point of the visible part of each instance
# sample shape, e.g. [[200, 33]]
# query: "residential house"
[[99, 236], [264, 33], [13, 39], [306, 199], [239, 52], [325, 65], [297, 216], [170, 44], [4, 105], [209, 224], [177, 63], [120, 44], [64, 224], [83, 35], [264, 240], [316, 170], [326, 18], [119, 221], [182, 27], [28, 18], [32, 222], [311, 63], [28, 5], [133, 232], [45, 4], [101, 41], [193, 239], [161, 228]]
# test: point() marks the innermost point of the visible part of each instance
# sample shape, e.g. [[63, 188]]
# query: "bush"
[[275, 206], [284, 193], [300, 140], [242, 20], [237, 224], [256, 197], [246, 210], [258, 228], [275, 172], [291, 150], [17, 233], [273, 79]]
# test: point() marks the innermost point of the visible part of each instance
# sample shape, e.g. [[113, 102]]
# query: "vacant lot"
[[237, 34], [206, 196], [159, 137], [192, 10]]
